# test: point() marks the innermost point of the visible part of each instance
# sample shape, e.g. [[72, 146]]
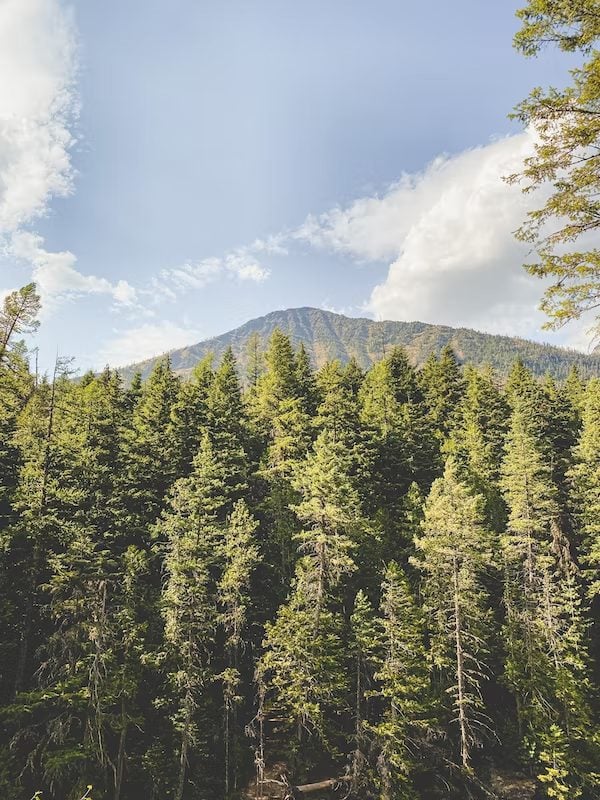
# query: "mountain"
[[328, 336]]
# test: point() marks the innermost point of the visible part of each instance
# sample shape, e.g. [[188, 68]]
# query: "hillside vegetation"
[[328, 336], [372, 585]]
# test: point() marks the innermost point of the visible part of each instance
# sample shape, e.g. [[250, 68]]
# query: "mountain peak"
[[329, 335]]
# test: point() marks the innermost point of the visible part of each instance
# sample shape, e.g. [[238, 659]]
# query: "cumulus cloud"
[[38, 109], [448, 235], [57, 278], [239, 264], [37, 106], [145, 341]]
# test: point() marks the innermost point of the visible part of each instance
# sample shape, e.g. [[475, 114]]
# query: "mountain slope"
[[327, 336]]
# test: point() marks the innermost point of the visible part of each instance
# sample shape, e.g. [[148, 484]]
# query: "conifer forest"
[[297, 583]]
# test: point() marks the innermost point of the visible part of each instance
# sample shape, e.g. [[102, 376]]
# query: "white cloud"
[[274, 245], [239, 264], [38, 108], [448, 235], [145, 341], [57, 278]]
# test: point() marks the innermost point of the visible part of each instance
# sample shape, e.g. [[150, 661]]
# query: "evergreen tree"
[[405, 448], [585, 480], [150, 450], [405, 688], [443, 387], [178, 556], [454, 554], [190, 412], [367, 648], [190, 530], [19, 315], [254, 360], [241, 556], [353, 377], [277, 414], [339, 413], [544, 633], [330, 512], [134, 392], [563, 160], [278, 384], [303, 670], [303, 665], [46, 499], [477, 442], [226, 425], [305, 379]]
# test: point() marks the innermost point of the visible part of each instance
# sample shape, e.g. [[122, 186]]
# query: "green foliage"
[[585, 481], [567, 127], [196, 576], [19, 315], [405, 687], [364, 342], [454, 554], [546, 661]]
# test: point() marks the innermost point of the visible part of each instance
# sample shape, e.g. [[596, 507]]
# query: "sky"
[[170, 170]]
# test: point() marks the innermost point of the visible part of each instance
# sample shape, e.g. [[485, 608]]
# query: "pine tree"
[[190, 530], [367, 648], [226, 426], [303, 668], [405, 687], [134, 392], [404, 446], [477, 441], [332, 522], [46, 499], [454, 554], [78, 684], [241, 556], [190, 412], [19, 315], [279, 383], [339, 413], [305, 380], [278, 417], [544, 633], [302, 665], [585, 481], [562, 423], [254, 360], [573, 389], [443, 387], [353, 376], [150, 451]]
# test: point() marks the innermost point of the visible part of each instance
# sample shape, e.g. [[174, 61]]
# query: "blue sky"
[[168, 171]]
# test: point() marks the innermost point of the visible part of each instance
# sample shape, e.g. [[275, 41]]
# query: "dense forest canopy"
[[331, 583]]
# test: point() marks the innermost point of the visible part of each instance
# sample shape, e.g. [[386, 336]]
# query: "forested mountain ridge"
[[328, 336]]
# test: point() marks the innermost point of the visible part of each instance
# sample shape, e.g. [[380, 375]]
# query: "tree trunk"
[[120, 767], [309, 788], [185, 745], [460, 674]]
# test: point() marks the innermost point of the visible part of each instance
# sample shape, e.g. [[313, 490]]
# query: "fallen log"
[[320, 786], [331, 783]]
